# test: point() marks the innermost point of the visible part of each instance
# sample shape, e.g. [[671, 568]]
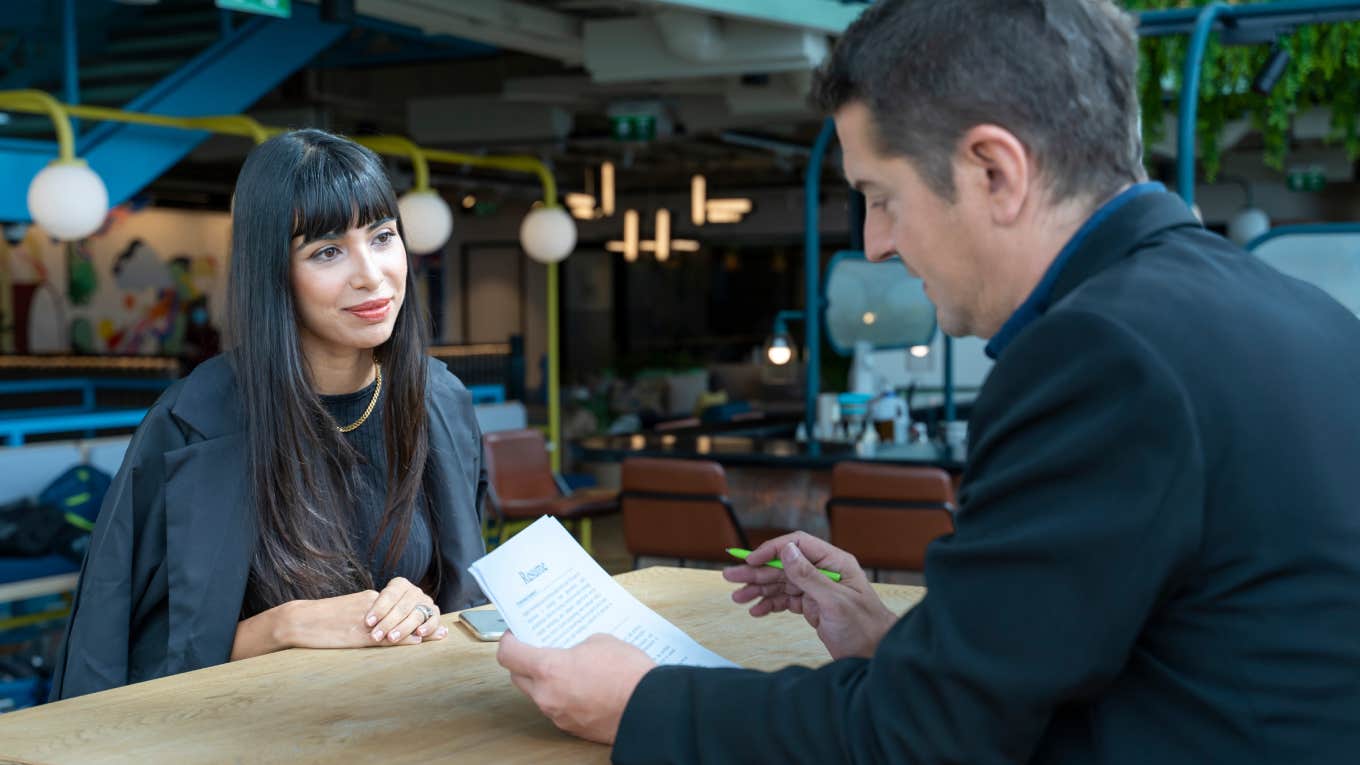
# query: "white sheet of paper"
[[552, 594]]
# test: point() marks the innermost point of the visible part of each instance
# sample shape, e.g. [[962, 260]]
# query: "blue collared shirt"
[[1037, 302]]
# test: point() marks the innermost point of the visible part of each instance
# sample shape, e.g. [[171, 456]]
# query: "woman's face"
[[349, 287]]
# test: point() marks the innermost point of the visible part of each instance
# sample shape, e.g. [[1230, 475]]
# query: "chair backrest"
[[678, 509], [517, 465], [886, 515]]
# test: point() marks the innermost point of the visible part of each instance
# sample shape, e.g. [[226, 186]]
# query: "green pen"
[[737, 552]]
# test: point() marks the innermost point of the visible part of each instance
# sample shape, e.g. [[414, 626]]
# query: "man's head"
[[982, 133]]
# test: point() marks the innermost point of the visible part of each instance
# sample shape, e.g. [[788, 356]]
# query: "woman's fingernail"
[[442, 631], [377, 634], [394, 636], [418, 639], [423, 630], [371, 620]]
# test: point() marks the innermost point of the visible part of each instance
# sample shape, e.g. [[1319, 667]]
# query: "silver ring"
[[425, 611]]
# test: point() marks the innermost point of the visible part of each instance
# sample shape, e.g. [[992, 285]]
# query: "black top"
[[369, 487], [1156, 557]]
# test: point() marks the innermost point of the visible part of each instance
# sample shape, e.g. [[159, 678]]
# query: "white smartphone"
[[484, 625]]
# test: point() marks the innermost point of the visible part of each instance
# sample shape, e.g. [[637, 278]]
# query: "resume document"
[[552, 594]]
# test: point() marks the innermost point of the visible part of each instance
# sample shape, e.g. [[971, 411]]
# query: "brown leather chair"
[[678, 509], [886, 515], [522, 485]]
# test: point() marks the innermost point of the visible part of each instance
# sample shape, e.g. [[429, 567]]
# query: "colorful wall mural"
[[150, 282]]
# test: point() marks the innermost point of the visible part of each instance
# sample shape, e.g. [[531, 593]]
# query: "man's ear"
[[991, 164]]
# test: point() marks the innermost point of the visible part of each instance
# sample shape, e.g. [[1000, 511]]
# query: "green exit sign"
[[633, 127], [1306, 179], [280, 8]]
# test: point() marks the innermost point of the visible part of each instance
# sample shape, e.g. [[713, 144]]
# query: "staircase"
[[122, 54], [172, 58]]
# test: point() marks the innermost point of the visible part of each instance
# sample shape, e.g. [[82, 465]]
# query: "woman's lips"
[[373, 310]]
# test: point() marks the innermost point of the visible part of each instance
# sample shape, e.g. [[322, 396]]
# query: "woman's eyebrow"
[[331, 235]]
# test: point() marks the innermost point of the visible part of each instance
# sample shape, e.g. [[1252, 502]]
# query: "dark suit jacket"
[[163, 581], [1157, 559]]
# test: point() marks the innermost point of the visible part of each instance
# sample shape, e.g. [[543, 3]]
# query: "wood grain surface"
[[446, 701]]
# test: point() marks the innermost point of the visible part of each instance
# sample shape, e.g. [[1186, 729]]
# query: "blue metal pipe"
[[1185, 135], [948, 378], [812, 269], [71, 55], [782, 319], [1281, 13]]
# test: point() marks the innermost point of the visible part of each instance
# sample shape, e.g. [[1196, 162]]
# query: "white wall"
[[127, 309]]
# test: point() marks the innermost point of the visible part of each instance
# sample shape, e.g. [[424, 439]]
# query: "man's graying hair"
[[1058, 74]]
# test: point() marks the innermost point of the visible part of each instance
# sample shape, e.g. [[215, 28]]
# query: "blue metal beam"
[[1185, 134], [948, 378], [812, 270], [71, 52], [225, 79], [1284, 14]]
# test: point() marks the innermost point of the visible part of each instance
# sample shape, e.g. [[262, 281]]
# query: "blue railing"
[[18, 423]]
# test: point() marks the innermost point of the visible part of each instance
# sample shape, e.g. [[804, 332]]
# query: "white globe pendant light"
[[1247, 224], [68, 200], [548, 234], [426, 221]]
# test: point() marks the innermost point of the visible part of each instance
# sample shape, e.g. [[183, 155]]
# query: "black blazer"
[[1157, 557], [163, 581]]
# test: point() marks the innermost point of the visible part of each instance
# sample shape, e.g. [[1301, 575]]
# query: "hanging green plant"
[[1323, 69]]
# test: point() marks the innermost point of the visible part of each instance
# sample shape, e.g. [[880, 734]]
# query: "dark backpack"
[[77, 495], [60, 521]]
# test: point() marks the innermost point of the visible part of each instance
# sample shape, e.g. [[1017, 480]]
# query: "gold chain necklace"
[[377, 390]]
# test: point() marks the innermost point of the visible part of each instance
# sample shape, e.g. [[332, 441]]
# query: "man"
[[1157, 555]]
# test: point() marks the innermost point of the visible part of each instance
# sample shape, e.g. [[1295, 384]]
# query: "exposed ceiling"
[[723, 83]]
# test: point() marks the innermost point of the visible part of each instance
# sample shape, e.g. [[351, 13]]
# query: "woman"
[[268, 497]]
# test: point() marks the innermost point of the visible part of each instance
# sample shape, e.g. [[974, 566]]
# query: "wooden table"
[[446, 701]]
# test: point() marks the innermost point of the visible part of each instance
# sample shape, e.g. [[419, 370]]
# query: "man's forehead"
[[858, 177]]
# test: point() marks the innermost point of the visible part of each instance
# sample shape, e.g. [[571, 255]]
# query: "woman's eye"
[[385, 237], [325, 253]]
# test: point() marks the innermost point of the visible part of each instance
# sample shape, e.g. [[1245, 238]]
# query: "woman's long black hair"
[[310, 183]]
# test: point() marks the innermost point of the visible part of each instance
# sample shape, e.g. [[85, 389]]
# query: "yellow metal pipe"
[[38, 102], [232, 124], [554, 374], [545, 177], [395, 144], [514, 164]]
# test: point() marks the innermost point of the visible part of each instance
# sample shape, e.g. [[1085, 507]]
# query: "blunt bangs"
[[337, 188]]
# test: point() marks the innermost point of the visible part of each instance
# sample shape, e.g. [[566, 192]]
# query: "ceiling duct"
[[676, 44]]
